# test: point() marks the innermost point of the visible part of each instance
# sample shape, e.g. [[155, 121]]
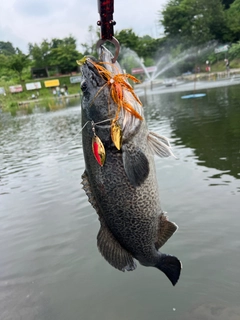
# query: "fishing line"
[[80, 131]]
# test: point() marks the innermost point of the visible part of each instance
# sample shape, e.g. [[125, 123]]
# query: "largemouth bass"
[[120, 178]]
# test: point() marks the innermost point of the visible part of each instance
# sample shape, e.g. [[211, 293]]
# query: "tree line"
[[63, 53], [195, 22], [56, 52], [186, 23]]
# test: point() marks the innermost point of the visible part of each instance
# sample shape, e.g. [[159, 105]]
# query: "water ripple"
[[49, 256]]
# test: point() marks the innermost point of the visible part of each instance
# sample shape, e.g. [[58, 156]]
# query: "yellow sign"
[[51, 83]]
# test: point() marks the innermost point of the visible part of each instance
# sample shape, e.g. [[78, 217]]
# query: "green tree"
[[227, 3], [234, 51], [128, 39], [70, 40], [55, 42], [150, 48], [145, 47], [233, 20], [57, 52], [40, 53], [65, 55], [3, 61], [194, 22], [176, 19], [6, 48], [17, 62]]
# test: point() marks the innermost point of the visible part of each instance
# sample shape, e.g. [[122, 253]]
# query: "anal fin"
[[112, 251], [166, 229]]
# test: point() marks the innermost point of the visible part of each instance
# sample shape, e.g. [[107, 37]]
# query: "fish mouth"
[[90, 72], [89, 64]]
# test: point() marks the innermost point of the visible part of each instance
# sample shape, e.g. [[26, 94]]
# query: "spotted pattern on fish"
[[124, 191]]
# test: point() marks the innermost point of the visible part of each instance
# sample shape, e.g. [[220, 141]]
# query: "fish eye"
[[84, 86]]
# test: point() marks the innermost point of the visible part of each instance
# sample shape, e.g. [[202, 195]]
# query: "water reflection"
[[209, 126], [50, 264], [28, 140]]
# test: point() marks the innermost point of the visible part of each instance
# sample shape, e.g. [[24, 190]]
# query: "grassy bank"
[[219, 66], [45, 95], [12, 101]]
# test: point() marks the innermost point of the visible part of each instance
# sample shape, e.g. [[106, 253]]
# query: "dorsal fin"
[[159, 145], [166, 229]]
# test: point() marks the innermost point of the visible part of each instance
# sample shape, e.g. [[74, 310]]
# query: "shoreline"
[[188, 84], [70, 96]]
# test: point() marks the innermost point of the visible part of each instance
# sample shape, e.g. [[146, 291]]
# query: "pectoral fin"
[[135, 163], [166, 229], [112, 251], [159, 145]]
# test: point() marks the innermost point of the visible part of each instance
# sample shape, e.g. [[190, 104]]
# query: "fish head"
[[102, 82], [95, 92]]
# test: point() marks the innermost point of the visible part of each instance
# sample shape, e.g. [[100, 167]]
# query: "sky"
[[31, 21]]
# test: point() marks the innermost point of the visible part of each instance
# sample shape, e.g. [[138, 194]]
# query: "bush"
[[234, 51], [13, 104]]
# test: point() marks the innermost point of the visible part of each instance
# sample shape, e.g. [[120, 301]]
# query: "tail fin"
[[171, 266]]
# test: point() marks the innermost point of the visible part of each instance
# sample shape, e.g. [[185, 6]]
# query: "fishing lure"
[[98, 148], [117, 84]]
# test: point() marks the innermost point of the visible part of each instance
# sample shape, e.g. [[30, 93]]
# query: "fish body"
[[123, 190]]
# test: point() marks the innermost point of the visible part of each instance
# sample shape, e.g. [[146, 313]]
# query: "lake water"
[[50, 267]]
